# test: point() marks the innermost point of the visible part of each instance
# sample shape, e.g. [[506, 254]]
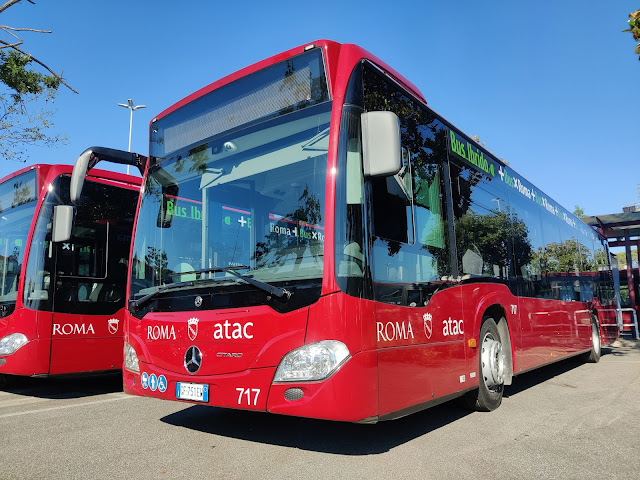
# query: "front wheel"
[[488, 396]]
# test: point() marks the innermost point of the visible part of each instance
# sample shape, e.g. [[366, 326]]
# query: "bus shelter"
[[622, 230]]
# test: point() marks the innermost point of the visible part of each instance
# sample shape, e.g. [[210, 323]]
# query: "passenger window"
[[528, 244], [484, 226]]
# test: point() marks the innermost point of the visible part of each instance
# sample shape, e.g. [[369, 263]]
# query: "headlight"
[[130, 358], [316, 361], [11, 343]]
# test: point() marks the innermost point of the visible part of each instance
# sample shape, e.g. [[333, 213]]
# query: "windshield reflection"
[[253, 197], [14, 228], [17, 208]]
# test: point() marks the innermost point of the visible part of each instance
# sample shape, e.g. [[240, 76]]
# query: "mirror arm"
[[91, 156], [98, 154]]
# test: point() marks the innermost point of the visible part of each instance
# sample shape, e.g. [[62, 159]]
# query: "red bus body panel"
[[86, 343], [400, 356], [349, 394]]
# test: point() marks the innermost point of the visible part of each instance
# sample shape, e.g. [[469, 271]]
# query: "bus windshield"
[[17, 207], [83, 275], [250, 196]]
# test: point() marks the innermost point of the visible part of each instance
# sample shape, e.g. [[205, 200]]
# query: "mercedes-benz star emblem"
[[198, 301], [192, 359]]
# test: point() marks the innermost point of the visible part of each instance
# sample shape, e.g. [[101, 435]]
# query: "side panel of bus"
[[421, 352], [86, 342]]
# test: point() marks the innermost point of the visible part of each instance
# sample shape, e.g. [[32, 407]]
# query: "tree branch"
[[12, 34], [23, 29], [9, 4], [59, 77], [14, 46], [9, 45]]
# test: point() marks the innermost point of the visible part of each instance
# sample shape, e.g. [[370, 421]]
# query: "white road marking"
[[62, 407], [15, 401]]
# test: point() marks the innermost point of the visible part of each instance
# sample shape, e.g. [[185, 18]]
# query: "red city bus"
[[62, 299], [313, 240]]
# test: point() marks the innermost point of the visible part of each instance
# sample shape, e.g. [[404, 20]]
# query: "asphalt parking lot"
[[567, 420]]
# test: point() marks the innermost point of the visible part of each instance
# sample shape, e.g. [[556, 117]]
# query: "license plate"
[[196, 392]]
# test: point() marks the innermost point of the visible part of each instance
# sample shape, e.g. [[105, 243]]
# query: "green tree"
[[493, 237], [634, 28], [600, 259], [565, 257], [622, 258], [578, 211], [26, 95], [157, 260]]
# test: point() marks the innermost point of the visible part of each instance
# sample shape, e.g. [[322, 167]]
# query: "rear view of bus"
[[61, 303]]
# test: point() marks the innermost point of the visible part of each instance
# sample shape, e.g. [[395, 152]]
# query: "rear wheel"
[[596, 347], [488, 396]]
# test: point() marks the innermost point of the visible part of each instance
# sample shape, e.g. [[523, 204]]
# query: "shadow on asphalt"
[[344, 438], [535, 377], [315, 435], [64, 387]]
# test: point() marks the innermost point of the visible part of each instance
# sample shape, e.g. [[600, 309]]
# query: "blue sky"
[[550, 86]]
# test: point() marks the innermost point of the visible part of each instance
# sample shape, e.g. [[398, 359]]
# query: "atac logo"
[[428, 324], [452, 327], [112, 324], [192, 328]]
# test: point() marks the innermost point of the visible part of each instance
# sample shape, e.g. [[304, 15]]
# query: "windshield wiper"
[[271, 289], [136, 304]]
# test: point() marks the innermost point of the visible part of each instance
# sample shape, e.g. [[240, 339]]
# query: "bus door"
[[85, 335], [419, 318]]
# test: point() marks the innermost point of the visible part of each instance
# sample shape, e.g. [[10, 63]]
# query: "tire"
[[488, 395], [596, 344]]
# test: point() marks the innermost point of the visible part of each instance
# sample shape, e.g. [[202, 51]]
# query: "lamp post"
[[131, 108]]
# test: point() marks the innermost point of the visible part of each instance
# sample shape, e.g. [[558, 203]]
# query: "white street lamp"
[[131, 108]]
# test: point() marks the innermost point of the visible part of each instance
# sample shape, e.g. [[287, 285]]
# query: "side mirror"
[[381, 150], [62, 223], [169, 190]]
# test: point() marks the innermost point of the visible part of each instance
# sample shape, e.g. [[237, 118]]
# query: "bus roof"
[[334, 52], [58, 169]]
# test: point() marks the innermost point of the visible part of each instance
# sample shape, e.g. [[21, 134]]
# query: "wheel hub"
[[492, 362]]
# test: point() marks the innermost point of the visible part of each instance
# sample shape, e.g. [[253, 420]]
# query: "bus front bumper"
[[350, 394]]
